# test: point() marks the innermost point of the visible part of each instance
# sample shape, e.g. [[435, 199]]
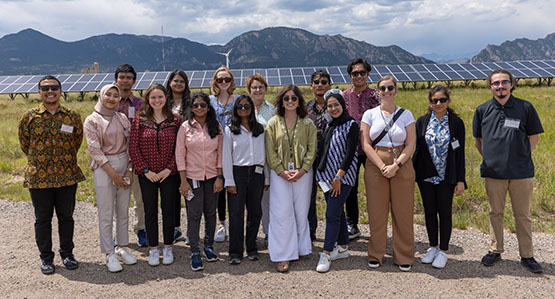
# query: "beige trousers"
[[139, 205]]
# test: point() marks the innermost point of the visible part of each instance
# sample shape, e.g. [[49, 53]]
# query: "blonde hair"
[[388, 77], [214, 86]]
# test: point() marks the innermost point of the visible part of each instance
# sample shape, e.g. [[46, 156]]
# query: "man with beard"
[[506, 130], [320, 83]]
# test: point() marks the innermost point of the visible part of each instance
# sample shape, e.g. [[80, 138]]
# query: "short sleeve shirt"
[[377, 121], [504, 130]]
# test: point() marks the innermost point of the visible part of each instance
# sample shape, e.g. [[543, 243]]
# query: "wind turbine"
[[226, 57]]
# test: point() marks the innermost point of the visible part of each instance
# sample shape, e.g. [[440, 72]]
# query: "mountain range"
[[519, 49]]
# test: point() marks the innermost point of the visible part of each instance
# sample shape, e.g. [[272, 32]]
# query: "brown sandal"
[[283, 267]]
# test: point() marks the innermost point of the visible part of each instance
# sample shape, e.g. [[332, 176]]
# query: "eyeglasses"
[[324, 82], [243, 106], [201, 105], [498, 83], [51, 87], [178, 81], [359, 73], [389, 87], [259, 87], [288, 98], [441, 100], [226, 79]]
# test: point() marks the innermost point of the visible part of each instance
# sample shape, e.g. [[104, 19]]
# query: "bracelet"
[[338, 177], [383, 168], [219, 176]]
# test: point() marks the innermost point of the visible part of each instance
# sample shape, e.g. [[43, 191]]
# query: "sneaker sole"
[[373, 266], [197, 269], [116, 271], [351, 237]]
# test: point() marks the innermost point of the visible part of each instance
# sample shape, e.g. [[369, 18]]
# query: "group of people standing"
[[242, 152]]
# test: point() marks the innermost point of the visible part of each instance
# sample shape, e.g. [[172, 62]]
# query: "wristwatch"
[[146, 170], [338, 177], [220, 176], [399, 163]]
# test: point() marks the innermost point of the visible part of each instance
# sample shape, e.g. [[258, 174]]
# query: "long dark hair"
[[301, 109], [186, 97], [440, 88], [211, 120], [235, 125], [147, 111]]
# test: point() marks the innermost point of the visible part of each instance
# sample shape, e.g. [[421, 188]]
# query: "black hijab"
[[330, 128]]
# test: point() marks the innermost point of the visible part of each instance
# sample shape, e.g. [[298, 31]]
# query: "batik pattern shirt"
[[438, 138]]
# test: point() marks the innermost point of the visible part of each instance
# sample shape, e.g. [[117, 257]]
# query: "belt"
[[389, 149]]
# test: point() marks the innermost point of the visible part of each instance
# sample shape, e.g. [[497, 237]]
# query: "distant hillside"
[[519, 49], [32, 52]]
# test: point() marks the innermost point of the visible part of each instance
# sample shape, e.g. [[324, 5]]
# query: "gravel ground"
[[464, 276]]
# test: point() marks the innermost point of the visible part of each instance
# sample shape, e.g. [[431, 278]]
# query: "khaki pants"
[[397, 192], [520, 192], [139, 205]]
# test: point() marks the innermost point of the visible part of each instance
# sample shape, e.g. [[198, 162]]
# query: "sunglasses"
[[243, 106], [499, 83], [226, 79], [324, 82], [292, 98], [260, 87], [359, 73], [441, 100], [51, 87], [389, 87], [201, 105]]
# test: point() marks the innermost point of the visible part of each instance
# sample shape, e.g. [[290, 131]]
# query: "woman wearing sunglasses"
[[336, 175], [152, 150], [388, 138], [198, 155], [264, 110], [440, 171], [222, 99], [107, 135], [245, 178], [179, 96], [290, 152]]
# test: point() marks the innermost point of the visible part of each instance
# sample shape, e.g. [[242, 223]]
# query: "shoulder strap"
[[388, 126]]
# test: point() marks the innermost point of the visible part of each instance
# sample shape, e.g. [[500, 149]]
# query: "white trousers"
[[288, 231], [110, 199]]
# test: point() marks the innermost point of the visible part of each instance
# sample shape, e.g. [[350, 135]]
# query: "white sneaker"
[[220, 234], [339, 253], [324, 263], [440, 260], [430, 255], [168, 256], [126, 257], [405, 268], [112, 263], [154, 257]]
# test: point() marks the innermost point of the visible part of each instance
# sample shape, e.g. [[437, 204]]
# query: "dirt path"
[[464, 276]]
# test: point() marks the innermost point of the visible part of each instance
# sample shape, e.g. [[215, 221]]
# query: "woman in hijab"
[[336, 175], [107, 135]]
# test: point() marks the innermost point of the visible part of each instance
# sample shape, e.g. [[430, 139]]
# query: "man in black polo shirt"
[[506, 129]]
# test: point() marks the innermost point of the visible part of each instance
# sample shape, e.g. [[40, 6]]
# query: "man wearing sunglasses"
[[358, 99], [506, 130], [50, 136], [320, 83], [125, 77]]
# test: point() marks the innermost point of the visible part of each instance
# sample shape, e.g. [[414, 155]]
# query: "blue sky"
[[450, 28]]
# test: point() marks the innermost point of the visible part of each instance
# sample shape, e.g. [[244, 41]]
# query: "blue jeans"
[[336, 223]]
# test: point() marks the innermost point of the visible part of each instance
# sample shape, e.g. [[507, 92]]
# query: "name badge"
[[512, 123], [290, 166], [325, 186], [196, 184], [259, 169], [67, 128], [455, 144], [131, 112], [125, 133]]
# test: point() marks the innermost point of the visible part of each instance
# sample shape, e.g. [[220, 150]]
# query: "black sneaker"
[[491, 258], [47, 267], [531, 264], [234, 261], [71, 263], [354, 232], [253, 256]]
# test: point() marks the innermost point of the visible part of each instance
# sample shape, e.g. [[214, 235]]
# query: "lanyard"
[[289, 137]]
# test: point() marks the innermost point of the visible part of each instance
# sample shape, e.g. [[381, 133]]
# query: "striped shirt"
[[337, 152]]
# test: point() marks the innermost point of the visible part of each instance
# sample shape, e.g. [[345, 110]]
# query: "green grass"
[[469, 210]]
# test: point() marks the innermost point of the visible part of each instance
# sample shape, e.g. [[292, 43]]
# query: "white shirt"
[[243, 150], [377, 121]]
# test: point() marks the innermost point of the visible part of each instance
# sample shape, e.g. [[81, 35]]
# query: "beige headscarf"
[[99, 107]]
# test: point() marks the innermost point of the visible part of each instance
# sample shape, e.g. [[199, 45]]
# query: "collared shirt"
[[196, 152], [243, 150], [130, 106], [318, 117], [223, 111], [504, 130], [265, 112], [438, 139], [357, 103], [51, 142]]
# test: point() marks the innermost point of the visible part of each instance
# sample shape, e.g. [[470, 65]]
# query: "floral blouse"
[[437, 138]]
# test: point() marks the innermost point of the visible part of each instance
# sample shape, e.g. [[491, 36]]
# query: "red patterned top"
[[152, 145]]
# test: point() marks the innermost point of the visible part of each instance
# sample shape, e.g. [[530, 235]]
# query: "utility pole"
[[163, 54]]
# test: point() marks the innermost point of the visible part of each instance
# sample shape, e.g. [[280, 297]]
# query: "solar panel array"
[[298, 75]]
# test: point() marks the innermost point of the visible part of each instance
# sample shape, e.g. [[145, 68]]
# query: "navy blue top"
[[342, 149]]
